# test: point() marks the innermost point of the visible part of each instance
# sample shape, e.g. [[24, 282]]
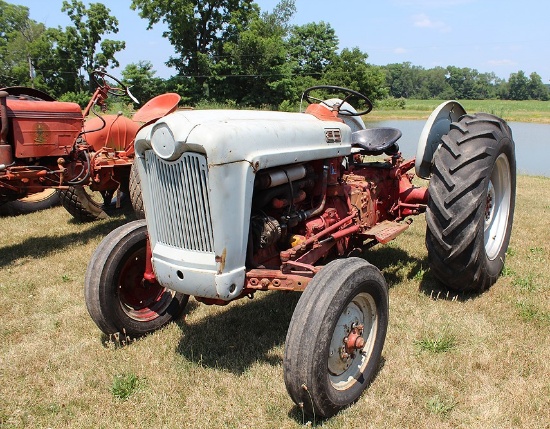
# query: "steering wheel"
[[112, 85], [348, 94]]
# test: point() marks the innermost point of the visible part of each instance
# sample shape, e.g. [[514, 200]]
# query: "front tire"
[[118, 298], [336, 335], [472, 199]]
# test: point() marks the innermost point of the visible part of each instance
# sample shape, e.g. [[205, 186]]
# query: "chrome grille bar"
[[179, 201]]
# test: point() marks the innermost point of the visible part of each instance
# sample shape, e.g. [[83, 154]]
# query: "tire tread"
[[454, 217]]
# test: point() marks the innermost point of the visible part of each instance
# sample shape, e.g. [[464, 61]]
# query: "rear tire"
[[117, 297], [321, 374], [35, 202], [472, 199], [135, 192], [84, 205]]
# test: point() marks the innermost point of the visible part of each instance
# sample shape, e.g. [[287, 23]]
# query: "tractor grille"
[[179, 201]]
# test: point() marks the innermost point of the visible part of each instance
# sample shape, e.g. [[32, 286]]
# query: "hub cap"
[[352, 341]]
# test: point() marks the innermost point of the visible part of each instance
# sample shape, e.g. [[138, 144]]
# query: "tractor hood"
[[263, 139]]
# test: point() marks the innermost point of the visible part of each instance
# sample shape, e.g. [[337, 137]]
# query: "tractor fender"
[[437, 125]]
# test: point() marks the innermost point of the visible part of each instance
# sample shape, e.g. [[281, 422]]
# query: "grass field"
[[514, 111], [517, 111], [450, 361]]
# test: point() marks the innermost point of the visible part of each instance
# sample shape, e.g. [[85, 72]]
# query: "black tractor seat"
[[375, 141]]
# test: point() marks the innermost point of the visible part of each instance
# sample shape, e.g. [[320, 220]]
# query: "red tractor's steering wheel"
[[348, 94], [111, 84]]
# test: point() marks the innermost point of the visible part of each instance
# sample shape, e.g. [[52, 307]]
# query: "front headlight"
[[164, 144]]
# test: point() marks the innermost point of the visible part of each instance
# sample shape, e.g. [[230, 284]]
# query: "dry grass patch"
[[450, 360]]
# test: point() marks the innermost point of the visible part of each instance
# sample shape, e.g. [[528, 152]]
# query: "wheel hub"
[[352, 340], [139, 298], [490, 204]]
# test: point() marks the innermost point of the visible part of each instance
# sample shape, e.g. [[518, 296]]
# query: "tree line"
[[226, 51]]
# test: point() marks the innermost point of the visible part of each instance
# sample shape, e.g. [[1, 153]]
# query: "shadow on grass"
[[39, 247], [244, 334], [396, 264], [240, 336], [436, 290]]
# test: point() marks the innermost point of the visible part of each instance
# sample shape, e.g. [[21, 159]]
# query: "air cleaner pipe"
[[319, 209], [270, 179], [306, 214]]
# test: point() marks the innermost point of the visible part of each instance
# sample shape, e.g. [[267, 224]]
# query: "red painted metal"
[[367, 202], [43, 128], [323, 113], [4, 129], [140, 295], [46, 144], [149, 274], [354, 341], [116, 133], [263, 279], [157, 107], [279, 203]]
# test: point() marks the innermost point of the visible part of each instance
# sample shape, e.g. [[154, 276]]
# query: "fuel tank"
[[117, 134]]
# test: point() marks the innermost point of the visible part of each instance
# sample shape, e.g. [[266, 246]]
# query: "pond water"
[[532, 143]]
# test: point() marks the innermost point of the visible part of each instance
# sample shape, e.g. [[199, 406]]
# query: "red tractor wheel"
[[118, 297], [84, 205], [39, 201]]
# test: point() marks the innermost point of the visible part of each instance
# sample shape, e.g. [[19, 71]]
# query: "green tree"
[[461, 81], [22, 44], [311, 48], [197, 29], [403, 80], [254, 69], [60, 68], [537, 89], [140, 78], [84, 43], [351, 70], [436, 84], [518, 85]]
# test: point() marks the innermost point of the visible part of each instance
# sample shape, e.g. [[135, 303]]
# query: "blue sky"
[[490, 36]]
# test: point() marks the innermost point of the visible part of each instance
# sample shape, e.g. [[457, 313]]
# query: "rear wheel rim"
[[140, 299], [344, 371], [497, 207]]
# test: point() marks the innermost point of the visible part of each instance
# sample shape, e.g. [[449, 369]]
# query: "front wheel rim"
[[139, 299], [497, 207], [346, 367]]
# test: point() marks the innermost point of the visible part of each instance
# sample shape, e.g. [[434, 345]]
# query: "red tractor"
[[238, 202], [47, 144]]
